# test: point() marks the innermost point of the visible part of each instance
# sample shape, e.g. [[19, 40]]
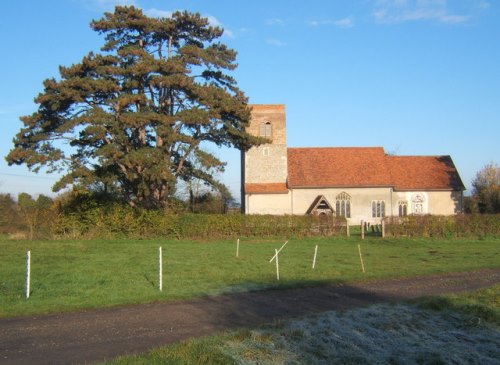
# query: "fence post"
[[28, 273], [278, 251], [361, 258], [362, 230], [315, 254], [277, 265], [160, 271], [383, 228]]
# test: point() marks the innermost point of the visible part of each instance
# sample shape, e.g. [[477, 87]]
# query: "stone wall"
[[267, 163], [298, 201]]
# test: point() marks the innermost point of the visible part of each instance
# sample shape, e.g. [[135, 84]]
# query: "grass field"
[[454, 329], [72, 275]]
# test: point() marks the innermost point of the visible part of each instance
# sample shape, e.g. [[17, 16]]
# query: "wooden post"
[[347, 229], [361, 258], [28, 273], [277, 265], [160, 271], [272, 258], [315, 254], [383, 228], [362, 230], [238, 248]]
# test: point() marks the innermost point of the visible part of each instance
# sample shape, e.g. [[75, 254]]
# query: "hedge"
[[125, 222], [463, 225]]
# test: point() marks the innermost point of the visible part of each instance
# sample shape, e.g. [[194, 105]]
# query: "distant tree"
[[194, 187], [486, 189], [129, 119], [9, 220], [211, 202], [470, 205], [35, 213]]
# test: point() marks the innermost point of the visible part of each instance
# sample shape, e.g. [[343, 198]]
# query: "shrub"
[[118, 221], [465, 225]]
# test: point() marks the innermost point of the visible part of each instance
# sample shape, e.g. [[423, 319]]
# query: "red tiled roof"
[[266, 188], [424, 173], [337, 166], [369, 167]]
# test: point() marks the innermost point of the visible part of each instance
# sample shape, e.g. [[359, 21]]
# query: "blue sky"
[[417, 77]]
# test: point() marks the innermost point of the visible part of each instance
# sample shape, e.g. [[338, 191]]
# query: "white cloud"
[[454, 19], [344, 23], [275, 21], [107, 5], [213, 21], [484, 4], [228, 33], [317, 23], [399, 11], [157, 13], [341, 23], [275, 42]]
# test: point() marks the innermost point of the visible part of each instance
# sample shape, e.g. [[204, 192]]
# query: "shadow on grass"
[[90, 336], [286, 301]]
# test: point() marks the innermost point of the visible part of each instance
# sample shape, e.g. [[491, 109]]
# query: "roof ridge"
[[331, 148]]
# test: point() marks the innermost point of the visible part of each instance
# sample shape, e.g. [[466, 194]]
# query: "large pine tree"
[[135, 117]]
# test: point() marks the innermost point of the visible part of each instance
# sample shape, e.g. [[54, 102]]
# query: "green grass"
[[202, 351], [483, 305], [73, 275], [437, 330]]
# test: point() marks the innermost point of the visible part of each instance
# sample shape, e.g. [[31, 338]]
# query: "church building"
[[359, 183]]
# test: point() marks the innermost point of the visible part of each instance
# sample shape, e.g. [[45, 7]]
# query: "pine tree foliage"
[[133, 117]]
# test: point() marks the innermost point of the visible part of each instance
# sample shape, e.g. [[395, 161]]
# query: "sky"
[[417, 77]]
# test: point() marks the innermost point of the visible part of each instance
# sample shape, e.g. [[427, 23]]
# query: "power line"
[[29, 176]]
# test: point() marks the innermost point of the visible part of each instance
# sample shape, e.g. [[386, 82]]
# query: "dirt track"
[[91, 336]]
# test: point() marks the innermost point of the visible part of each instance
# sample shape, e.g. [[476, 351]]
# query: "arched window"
[[378, 208], [343, 205], [403, 208], [265, 129]]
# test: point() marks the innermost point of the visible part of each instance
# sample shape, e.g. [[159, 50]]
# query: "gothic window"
[[265, 129], [265, 151], [378, 208], [343, 205], [403, 208]]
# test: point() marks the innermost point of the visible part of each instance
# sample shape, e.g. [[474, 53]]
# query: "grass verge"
[[74, 275]]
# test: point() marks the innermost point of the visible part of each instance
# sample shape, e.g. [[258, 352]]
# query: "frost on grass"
[[381, 334]]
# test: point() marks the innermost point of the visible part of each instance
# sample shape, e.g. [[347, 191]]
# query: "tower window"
[[265, 129]]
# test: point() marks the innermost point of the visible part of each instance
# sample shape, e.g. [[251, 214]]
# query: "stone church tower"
[[267, 163]]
